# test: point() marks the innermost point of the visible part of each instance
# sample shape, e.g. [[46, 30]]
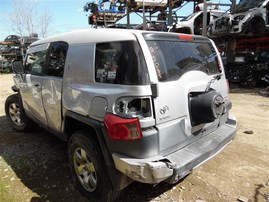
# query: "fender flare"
[[118, 179]]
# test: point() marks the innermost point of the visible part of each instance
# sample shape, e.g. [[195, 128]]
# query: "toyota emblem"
[[164, 110]]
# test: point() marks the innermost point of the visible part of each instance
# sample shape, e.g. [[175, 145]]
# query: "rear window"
[[174, 58], [120, 63]]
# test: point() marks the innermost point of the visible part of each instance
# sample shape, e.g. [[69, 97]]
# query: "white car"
[[250, 17], [193, 23]]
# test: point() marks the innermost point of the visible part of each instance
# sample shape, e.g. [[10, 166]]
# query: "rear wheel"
[[89, 172], [15, 113]]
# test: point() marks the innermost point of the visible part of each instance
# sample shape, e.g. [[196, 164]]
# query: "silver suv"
[[133, 105]]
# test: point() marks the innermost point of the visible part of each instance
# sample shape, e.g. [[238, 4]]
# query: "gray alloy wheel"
[[15, 114], [85, 169], [88, 169]]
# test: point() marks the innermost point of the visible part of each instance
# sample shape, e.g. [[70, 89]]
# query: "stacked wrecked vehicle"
[[249, 18]]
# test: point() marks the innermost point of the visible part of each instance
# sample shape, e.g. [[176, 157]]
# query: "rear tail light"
[[130, 107], [122, 128], [218, 60], [228, 86]]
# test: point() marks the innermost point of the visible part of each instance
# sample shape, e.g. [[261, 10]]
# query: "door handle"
[[37, 86]]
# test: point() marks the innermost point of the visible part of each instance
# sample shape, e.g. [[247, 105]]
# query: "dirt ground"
[[33, 166]]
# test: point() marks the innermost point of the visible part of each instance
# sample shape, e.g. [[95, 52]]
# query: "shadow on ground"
[[39, 161]]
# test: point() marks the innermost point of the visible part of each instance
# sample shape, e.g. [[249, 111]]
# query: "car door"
[[31, 83], [52, 84]]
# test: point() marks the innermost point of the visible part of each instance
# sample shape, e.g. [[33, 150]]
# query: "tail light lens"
[[122, 128], [228, 86], [218, 60]]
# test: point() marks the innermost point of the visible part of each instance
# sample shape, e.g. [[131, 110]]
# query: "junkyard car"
[[250, 17], [13, 38], [193, 23], [135, 106]]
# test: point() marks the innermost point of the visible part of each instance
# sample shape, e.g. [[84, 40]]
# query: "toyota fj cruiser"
[[133, 105]]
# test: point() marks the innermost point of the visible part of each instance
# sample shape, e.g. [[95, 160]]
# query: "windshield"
[[172, 59], [245, 5]]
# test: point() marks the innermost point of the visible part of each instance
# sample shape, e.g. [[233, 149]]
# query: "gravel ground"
[[33, 166]]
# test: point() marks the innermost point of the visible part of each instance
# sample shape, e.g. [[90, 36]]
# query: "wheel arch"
[[257, 18], [256, 25], [74, 122]]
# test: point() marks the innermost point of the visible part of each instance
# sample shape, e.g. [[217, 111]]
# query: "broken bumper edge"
[[175, 166]]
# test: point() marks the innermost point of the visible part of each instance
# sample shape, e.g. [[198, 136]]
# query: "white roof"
[[91, 36]]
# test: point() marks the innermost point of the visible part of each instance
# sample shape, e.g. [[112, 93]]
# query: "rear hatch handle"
[[154, 90]]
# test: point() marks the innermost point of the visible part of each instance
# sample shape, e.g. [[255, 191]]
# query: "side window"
[[56, 59], [120, 63], [35, 62], [105, 63]]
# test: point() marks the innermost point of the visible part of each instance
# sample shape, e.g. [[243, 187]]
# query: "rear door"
[[52, 84], [184, 66]]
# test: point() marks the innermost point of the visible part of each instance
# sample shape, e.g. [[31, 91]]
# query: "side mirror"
[[17, 66]]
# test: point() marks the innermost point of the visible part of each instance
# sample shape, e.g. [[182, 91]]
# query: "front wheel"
[[88, 170], [15, 113]]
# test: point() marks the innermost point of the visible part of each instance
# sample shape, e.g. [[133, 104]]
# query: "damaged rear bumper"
[[177, 165]]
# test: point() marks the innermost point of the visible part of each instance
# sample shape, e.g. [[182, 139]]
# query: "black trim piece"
[[15, 88], [83, 119], [154, 90]]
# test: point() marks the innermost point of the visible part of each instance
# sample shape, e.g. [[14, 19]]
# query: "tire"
[[16, 115], [206, 107], [88, 170]]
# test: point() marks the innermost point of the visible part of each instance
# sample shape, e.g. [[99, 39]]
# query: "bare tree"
[[28, 17]]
